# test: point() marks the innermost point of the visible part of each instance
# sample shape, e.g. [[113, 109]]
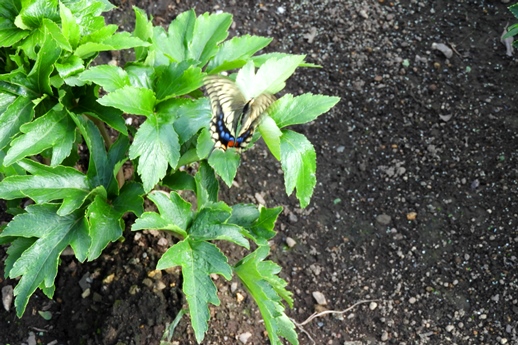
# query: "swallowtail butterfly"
[[234, 118]]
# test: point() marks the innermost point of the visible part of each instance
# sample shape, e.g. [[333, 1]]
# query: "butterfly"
[[234, 118]]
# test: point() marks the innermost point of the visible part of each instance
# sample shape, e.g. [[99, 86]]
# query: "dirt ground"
[[416, 205]]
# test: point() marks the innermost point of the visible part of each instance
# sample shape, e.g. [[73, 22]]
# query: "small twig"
[[453, 48], [325, 312]]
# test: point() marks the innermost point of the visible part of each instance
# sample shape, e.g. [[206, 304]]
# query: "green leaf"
[[131, 100], [143, 30], [291, 110], [47, 184], [53, 130], [10, 34], [15, 250], [209, 31], [55, 31], [198, 259], [124, 40], [70, 66], [130, 199], [259, 60], [178, 79], [71, 30], [271, 135], [111, 116], [191, 117], [266, 288], [225, 164], [111, 78], [262, 229], [105, 226], [180, 180], [38, 265], [207, 185], [270, 77], [33, 12], [235, 53], [298, 159], [211, 224], [180, 32], [10, 9], [18, 112], [141, 75], [204, 144], [156, 145], [174, 214], [39, 76], [514, 10]]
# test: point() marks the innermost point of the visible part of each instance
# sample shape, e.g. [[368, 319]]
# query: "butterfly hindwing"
[[234, 119]]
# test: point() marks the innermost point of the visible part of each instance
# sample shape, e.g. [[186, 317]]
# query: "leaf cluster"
[[65, 138]]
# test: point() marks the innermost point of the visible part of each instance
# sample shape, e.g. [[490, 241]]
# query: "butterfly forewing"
[[234, 119]]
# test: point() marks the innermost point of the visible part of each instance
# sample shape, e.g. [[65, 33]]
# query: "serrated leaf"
[[270, 77], [198, 259], [156, 145], [259, 60], [20, 111], [111, 78], [38, 264], [124, 40], [191, 117], [143, 30], [109, 115], [47, 184], [271, 135], [10, 33], [211, 224], [105, 226], [204, 144], [298, 159], [180, 32], [235, 52], [131, 100], [225, 163], [39, 76], [174, 214], [141, 75], [71, 66], [180, 180], [55, 31], [209, 30], [266, 288], [514, 10], [54, 129], [71, 30], [130, 199], [178, 79], [33, 13], [207, 186], [291, 110], [262, 229]]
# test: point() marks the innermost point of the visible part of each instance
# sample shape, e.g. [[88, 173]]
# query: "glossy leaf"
[[298, 159]]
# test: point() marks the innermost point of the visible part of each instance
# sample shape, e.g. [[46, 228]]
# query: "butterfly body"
[[234, 119]]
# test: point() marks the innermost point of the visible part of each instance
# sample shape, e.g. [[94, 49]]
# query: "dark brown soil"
[[416, 204]]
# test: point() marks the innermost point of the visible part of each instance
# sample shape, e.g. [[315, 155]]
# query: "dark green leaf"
[[132, 100], [198, 261], [109, 77], [207, 185], [20, 111], [156, 146], [191, 117], [10, 33], [178, 79], [225, 164], [105, 226], [180, 180]]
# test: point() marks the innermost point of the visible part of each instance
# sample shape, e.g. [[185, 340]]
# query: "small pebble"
[[412, 300], [319, 297], [290, 242], [383, 219], [243, 337], [449, 328], [373, 305], [384, 336]]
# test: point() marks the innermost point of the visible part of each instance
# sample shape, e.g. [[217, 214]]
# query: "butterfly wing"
[[227, 104], [233, 118]]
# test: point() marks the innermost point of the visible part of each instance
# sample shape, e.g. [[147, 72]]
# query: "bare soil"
[[416, 205]]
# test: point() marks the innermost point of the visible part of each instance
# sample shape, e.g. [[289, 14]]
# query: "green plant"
[[513, 29], [51, 104]]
